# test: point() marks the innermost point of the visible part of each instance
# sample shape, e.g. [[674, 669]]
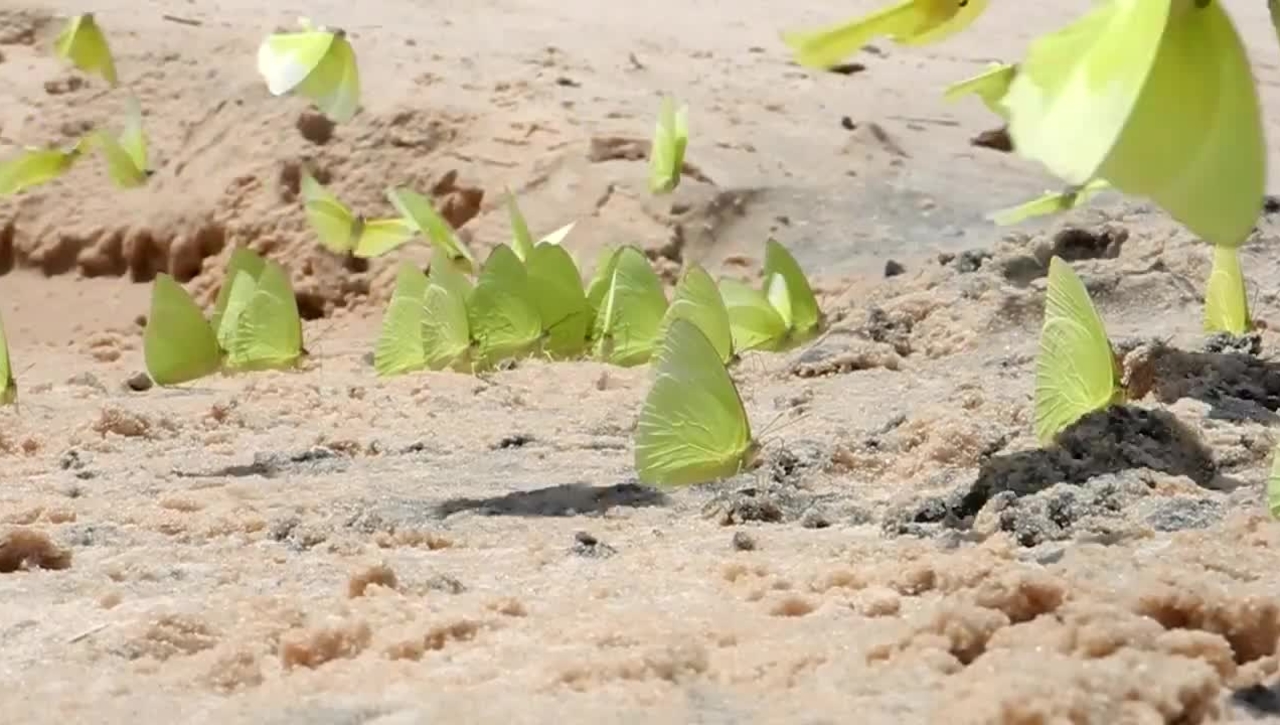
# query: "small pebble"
[[742, 541], [139, 382]]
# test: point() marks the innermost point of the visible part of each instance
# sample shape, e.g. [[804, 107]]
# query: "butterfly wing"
[[698, 300], [331, 220], [1050, 203], [521, 239], [334, 83], [251, 264], [1226, 303], [286, 59], [446, 333], [1194, 143], [990, 86], [558, 236], [178, 345], [805, 317], [399, 348], [753, 321], [8, 387], [946, 18], [83, 43], [1075, 371], [1273, 484], [133, 139], [269, 331], [631, 320], [693, 427], [601, 281], [32, 167], [122, 169], [1077, 87], [560, 300], [503, 318], [417, 210], [381, 236], [447, 276], [666, 153]]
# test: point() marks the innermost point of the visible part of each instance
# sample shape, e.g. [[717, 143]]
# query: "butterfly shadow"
[[566, 499], [1111, 441], [1228, 376]]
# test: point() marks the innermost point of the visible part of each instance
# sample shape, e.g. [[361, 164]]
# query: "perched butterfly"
[[446, 331], [84, 45], [1077, 371], [268, 332], [418, 212], [179, 345], [399, 348], [784, 314], [601, 281], [342, 232], [126, 154], [35, 166], [693, 427], [666, 153], [1226, 303], [8, 386], [627, 326], [560, 300], [501, 310], [238, 284], [317, 63], [911, 22], [522, 239], [990, 86], [1155, 97], [1273, 485], [697, 299], [1051, 203]]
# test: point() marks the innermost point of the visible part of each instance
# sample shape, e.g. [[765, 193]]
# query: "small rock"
[[139, 382], [742, 541], [585, 544], [893, 268], [519, 440], [444, 583], [815, 518]]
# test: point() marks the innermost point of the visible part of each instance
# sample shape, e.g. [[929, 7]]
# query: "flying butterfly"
[[84, 45], [1051, 203], [126, 154], [911, 22], [317, 63], [418, 212], [693, 427], [342, 232], [35, 166], [990, 86], [1077, 371], [666, 153]]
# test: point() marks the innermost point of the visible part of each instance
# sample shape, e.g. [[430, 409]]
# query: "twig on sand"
[[182, 21], [88, 633]]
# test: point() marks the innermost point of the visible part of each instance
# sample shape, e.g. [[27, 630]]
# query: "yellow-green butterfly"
[[521, 238], [1273, 485], [446, 331], [911, 22], [238, 284], [601, 280], [1226, 303], [84, 45], [697, 299], [1050, 203], [1077, 371], [629, 321], [1157, 98], [693, 427], [126, 154], [666, 153], [990, 86], [317, 63], [179, 345], [399, 348], [342, 232], [784, 314], [8, 386], [501, 310], [560, 300], [417, 210], [268, 334], [35, 166]]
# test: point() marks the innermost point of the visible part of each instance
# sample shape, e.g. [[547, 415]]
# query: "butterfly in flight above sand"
[[317, 63], [911, 22], [84, 45]]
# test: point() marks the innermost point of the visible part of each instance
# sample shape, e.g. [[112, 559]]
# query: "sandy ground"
[[323, 547]]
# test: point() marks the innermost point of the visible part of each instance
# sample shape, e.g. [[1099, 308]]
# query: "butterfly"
[[666, 152], [990, 86], [84, 45], [1050, 203], [1273, 486], [784, 314], [1226, 303], [178, 345], [8, 386], [629, 318], [342, 232], [912, 22], [560, 300], [1158, 99], [126, 154], [501, 311], [446, 330], [318, 63], [1077, 371], [267, 328], [693, 427], [697, 299], [522, 239], [399, 348], [35, 166], [418, 212]]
